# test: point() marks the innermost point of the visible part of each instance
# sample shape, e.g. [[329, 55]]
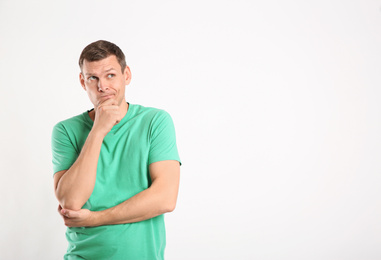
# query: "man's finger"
[[108, 102], [59, 209], [69, 213]]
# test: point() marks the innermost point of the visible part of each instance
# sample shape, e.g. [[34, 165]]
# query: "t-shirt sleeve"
[[64, 153], [162, 139]]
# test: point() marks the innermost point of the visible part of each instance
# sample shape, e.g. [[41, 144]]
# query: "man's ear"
[[127, 75], [82, 80]]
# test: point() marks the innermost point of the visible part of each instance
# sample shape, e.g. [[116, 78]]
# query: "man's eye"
[[92, 78], [110, 76]]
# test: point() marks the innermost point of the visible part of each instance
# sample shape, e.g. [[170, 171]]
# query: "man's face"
[[104, 79]]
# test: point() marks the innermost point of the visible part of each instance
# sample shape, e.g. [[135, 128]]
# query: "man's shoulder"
[[74, 121], [148, 112]]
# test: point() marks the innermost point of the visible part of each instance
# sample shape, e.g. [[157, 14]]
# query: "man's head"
[[104, 73], [100, 50]]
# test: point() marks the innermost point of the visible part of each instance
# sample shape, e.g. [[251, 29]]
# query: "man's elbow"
[[69, 203], [170, 206], [169, 209]]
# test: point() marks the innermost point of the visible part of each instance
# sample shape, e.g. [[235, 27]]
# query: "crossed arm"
[[73, 187], [158, 199]]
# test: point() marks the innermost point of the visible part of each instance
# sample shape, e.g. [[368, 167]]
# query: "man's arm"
[[158, 199], [73, 187]]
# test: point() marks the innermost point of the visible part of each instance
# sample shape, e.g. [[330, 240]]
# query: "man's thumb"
[[69, 213]]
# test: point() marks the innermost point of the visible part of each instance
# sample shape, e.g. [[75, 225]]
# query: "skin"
[[105, 81]]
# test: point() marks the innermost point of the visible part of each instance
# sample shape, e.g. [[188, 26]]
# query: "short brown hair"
[[100, 50]]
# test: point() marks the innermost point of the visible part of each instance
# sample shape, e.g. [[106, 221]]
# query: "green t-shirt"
[[145, 135]]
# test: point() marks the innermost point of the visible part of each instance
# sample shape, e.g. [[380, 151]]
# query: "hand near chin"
[[107, 114]]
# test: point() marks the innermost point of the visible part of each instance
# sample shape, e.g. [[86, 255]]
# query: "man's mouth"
[[106, 96]]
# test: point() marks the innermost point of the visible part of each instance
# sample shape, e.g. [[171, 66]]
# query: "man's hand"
[[77, 218], [107, 114]]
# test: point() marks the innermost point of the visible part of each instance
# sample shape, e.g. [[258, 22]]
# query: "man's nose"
[[102, 85]]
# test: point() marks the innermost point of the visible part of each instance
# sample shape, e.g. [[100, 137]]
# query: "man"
[[116, 166]]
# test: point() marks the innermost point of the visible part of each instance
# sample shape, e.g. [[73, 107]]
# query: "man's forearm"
[[144, 205], [76, 185], [158, 199]]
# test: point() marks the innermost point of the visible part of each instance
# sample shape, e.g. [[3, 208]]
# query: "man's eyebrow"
[[91, 74]]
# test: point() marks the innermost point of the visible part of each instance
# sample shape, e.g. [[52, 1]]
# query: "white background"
[[276, 106]]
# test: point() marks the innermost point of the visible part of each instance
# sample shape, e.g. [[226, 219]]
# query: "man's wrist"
[[98, 134], [94, 219], [97, 218]]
